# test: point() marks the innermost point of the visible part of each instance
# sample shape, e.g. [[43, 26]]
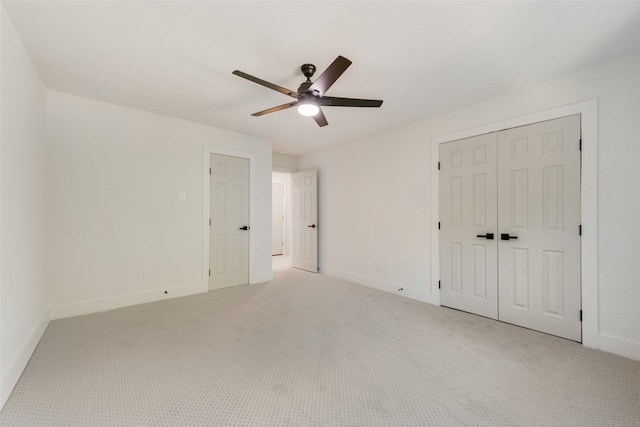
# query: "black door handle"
[[311, 226], [243, 228], [488, 236], [507, 237]]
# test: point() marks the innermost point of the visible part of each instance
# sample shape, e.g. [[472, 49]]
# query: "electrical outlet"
[[142, 273], [182, 196], [380, 268], [388, 271]]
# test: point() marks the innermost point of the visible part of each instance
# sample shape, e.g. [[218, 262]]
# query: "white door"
[[523, 186], [277, 218], [469, 223], [539, 215], [304, 254], [229, 227]]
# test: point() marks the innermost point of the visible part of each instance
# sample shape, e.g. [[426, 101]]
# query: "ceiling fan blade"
[[330, 75], [274, 109], [332, 101], [320, 119], [291, 93]]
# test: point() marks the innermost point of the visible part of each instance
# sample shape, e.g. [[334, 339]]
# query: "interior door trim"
[[207, 150], [588, 111]]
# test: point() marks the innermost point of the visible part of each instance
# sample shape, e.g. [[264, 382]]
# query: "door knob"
[[243, 228], [488, 236], [311, 226], [507, 237]]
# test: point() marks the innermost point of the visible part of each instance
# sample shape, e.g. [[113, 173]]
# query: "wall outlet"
[[380, 268], [142, 273], [387, 271], [182, 196]]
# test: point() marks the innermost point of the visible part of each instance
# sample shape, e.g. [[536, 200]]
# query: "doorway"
[[277, 218], [300, 220], [281, 220]]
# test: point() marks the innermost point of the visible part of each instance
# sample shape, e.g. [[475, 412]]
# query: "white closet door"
[[229, 230], [539, 213], [468, 188]]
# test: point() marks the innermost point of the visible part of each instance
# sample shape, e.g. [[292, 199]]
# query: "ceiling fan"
[[310, 95]]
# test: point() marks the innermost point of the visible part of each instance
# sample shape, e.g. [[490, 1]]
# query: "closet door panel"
[[468, 209], [539, 219]]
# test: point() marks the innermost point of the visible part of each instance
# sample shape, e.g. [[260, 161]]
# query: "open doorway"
[[280, 220]]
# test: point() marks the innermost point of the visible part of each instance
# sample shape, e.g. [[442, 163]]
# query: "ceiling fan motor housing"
[[308, 70], [304, 87]]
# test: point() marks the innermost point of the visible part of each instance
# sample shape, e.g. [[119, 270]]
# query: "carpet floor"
[[310, 350]]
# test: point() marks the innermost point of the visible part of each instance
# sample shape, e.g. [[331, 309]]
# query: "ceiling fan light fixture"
[[308, 107], [310, 95]]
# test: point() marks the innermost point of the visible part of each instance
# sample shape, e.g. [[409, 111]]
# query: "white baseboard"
[[12, 375], [619, 346], [382, 285], [607, 343], [266, 276], [109, 303]]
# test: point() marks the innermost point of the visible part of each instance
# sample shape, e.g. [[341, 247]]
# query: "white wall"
[[24, 311], [385, 182], [113, 177], [284, 162]]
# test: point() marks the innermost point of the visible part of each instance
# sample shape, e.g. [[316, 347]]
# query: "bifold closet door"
[[468, 222], [539, 216]]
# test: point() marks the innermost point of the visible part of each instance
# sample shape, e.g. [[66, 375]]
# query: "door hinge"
[[438, 225], [209, 221], [209, 272], [580, 230], [439, 284], [580, 145], [581, 315], [438, 165], [209, 171]]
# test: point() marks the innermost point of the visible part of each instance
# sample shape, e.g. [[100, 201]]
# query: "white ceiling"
[[421, 58]]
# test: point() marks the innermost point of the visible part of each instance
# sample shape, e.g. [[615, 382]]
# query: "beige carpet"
[[309, 350]]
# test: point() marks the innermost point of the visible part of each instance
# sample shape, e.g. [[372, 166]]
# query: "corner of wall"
[[11, 376], [3, 399], [22, 212]]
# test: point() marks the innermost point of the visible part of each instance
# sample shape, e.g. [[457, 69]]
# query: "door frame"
[[588, 111], [284, 216], [287, 206], [207, 150]]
